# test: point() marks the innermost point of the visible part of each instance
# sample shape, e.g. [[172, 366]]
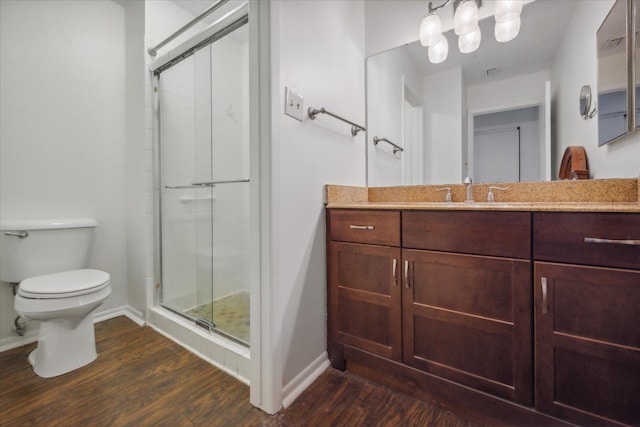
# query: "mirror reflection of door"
[[412, 157], [506, 146]]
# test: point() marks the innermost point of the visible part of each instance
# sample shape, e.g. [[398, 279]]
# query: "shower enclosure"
[[203, 176]]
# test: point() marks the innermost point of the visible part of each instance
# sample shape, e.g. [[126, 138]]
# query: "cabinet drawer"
[[376, 228], [588, 238], [505, 234]]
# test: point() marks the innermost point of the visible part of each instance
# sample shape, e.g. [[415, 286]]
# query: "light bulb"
[[470, 42], [507, 31], [438, 52], [430, 30], [466, 17], [508, 10]]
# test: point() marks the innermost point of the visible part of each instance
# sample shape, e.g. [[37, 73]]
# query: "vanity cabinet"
[[364, 299], [467, 299], [587, 310], [452, 306], [364, 291], [445, 300]]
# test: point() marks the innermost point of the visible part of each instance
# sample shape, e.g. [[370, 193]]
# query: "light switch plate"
[[293, 104]]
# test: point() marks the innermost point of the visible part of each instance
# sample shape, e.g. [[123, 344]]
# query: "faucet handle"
[[447, 198], [490, 197]]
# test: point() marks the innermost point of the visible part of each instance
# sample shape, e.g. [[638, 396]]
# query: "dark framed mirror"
[[614, 100], [634, 57]]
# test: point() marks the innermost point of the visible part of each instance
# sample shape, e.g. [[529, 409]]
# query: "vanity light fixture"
[[507, 16]]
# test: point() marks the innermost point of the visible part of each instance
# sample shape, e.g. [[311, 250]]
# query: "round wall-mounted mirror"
[[585, 103]]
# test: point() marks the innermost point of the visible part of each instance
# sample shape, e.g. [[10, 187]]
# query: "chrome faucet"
[[490, 197], [468, 184]]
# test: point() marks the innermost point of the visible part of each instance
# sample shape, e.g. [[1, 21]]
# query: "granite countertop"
[[496, 206], [610, 195]]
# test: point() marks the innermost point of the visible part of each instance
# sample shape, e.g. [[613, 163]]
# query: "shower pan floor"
[[230, 314]]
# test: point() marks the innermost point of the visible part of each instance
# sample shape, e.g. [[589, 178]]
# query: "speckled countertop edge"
[[520, 207], [607, 195]]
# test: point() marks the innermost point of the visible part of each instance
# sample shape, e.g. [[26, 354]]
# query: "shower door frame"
[[266, 367], [157, 72]]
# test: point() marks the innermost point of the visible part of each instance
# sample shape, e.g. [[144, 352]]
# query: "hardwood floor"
[[144, 379]]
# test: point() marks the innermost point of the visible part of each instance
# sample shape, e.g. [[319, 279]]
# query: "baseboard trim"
[[32, 335], [304, 379], [125, 310], [18, 341]]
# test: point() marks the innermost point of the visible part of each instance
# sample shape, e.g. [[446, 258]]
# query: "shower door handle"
[[213, 183], [206, 184]]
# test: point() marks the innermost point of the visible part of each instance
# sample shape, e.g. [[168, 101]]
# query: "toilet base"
[[63, 346]]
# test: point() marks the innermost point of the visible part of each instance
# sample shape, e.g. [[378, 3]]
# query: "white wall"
[[575, 65], [386, 102], [62, 124], [522, 91], [138, 191], [318, 50], [443, 110]]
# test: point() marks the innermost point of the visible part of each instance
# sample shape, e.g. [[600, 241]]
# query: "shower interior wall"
[[204, 137]]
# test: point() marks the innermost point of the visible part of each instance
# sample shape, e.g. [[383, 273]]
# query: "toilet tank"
[[31, 248]]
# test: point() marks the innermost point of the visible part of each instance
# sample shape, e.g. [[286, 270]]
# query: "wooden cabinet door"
[[467, 318], [364, 300], [587, 333]]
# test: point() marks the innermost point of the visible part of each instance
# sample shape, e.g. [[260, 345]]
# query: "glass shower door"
[[204, 165]]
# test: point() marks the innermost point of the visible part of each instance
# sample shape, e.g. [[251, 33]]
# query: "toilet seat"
[[63, 285]]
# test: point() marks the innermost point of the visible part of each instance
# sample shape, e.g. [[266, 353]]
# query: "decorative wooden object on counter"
[[574, 164], [438, 304]]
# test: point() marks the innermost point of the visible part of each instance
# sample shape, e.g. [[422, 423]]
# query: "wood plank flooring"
[[144, 379]]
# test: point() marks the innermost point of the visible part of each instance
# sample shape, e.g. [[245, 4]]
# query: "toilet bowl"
[[63, 303], [47, 258]]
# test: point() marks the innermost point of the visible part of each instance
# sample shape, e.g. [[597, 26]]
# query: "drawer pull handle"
[[543, 282], [361, 227], [395, 275], [612, 241], [406, 274]]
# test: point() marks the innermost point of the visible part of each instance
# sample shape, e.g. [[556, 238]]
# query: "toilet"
[[48, 259]]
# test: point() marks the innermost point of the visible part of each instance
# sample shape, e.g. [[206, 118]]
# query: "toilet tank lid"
[[46, 224]]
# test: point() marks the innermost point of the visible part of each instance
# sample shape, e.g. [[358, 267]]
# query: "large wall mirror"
[[489, 114]]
